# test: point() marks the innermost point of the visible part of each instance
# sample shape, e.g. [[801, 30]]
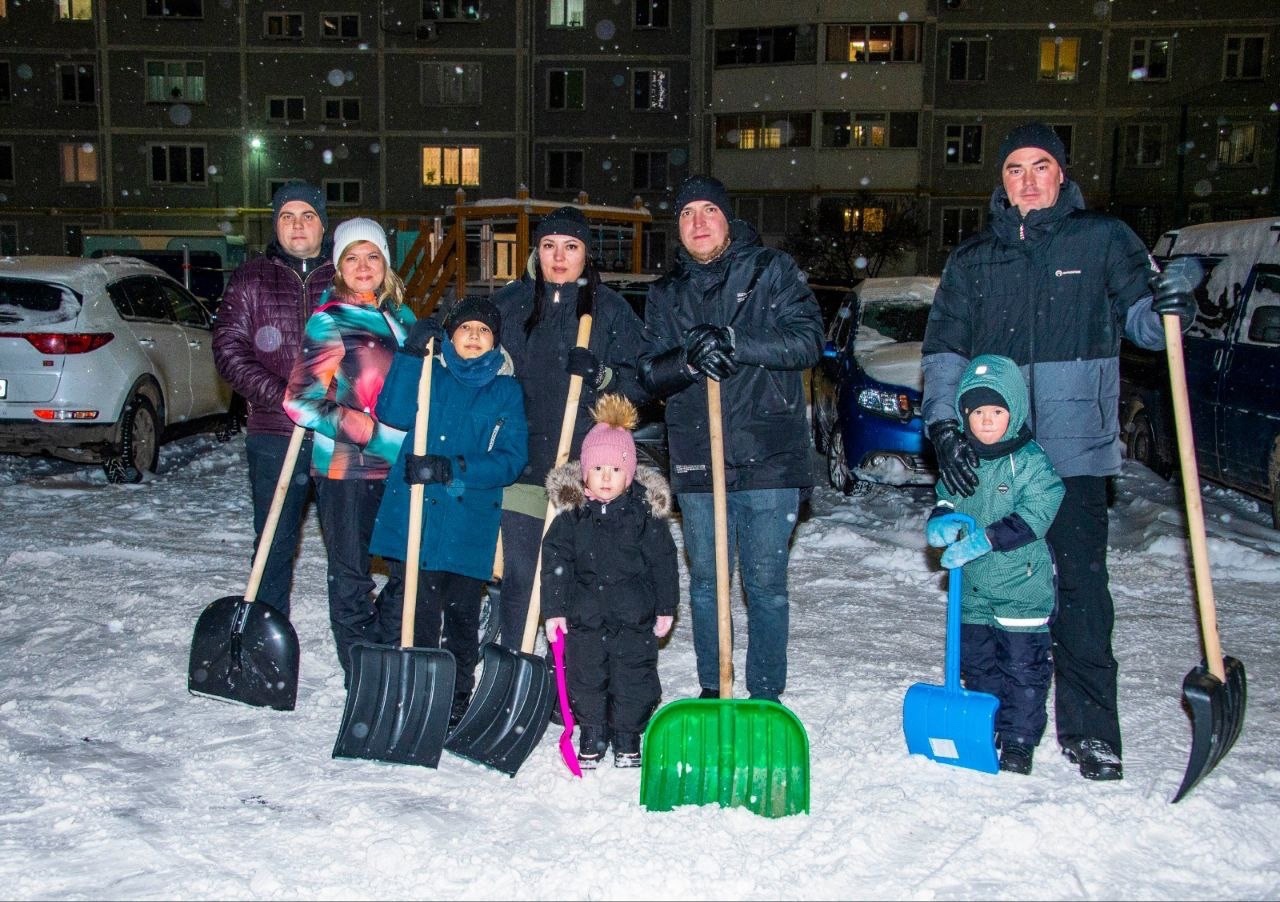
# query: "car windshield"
[[33, 303], [893, 321]]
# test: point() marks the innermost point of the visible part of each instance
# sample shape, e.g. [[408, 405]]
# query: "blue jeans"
[[760, 526], [266, 458]]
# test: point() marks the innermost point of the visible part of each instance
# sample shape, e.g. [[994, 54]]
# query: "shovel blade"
[[244, 651], [951, 726], [398, 705], [746, 753], [1217, 715], [508, 713]]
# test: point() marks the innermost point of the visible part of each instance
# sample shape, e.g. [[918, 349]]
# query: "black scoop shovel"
[[1214, 691], [245, 650]]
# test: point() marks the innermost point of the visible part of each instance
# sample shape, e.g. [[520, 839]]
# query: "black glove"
[[709, 349], [957, 461], [1173, 291], [427, 468], [420, 333], [583, 363]]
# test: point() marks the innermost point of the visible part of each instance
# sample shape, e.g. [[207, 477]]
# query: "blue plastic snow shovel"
[[948, 723]]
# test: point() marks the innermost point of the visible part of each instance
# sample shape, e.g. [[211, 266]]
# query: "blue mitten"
[[972, 546], [943, 529]]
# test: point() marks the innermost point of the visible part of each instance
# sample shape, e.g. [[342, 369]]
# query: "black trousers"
[[612, 675], [447, 606], [266, 454], [521, 542], [1015, 668], [1084, 667], [347, 508]]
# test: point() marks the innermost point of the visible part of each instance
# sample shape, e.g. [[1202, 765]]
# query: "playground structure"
[[486, 244]]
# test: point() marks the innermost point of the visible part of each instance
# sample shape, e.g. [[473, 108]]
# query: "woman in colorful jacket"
[[477, 445], [333, 390]]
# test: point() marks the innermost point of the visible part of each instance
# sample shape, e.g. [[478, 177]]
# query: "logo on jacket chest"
[[1002, 488]]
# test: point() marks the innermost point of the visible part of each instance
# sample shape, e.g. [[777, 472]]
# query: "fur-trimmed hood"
[[566, 491]]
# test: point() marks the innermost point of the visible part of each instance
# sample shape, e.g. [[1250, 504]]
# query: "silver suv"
[[99, 358]]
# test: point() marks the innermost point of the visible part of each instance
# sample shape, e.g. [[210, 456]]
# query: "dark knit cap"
[[564, 221], [704, 187], [298, 190], [478, 309], [982, 396], [1033, 134]]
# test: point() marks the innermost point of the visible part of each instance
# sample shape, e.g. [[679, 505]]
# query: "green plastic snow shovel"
[[948, 723], [398, 705], [744, 753]]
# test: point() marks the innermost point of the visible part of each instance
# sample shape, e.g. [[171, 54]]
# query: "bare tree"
[[845, 257]]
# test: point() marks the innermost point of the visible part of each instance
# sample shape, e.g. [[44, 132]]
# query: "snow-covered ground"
[[119, 784]]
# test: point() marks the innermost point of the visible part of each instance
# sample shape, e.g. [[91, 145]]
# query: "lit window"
[[650, 89], [79, 163], [1059, 59], [863, 219], [889, 43], [450, 165], [169, 81], [451, 10], [1237, 145], [564, 14], [75, 10]]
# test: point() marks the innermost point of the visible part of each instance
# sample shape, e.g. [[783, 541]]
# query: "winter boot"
[[709, 693], [1097, 758], [459, 708], [593, 741], [626, 749], [1016, 758]]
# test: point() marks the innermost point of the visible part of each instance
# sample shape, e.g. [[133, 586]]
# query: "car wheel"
[[139, 450], [1144, 445], [838, 472], [1274, 482], [489, 618]]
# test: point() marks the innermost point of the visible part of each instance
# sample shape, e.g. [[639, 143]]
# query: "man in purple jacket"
[[257, 334]]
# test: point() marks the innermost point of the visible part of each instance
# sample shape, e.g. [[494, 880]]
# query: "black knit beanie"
[[982, 396], [1033, 134], [307, 193], [704, 187], [478, 309], [564, 221]]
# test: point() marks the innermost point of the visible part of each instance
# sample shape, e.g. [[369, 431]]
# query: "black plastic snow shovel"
[[745, 753], [948, 723], [244, 650], [398, 705], [512, 704], [1214, 691]]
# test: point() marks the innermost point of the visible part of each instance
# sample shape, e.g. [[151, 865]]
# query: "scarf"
[[476, 372]]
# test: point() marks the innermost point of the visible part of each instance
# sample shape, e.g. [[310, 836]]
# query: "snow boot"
[[1016, 758], [709, 693], [1097, 758], [593, 741], [626, 749]]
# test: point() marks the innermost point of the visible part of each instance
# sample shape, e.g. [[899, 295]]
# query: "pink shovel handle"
[[566, 714]]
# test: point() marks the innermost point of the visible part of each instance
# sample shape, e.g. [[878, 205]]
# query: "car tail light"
[[44, 413], [63, 342]]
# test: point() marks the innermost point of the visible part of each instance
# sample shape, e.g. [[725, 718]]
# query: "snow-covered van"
[[1233, 362]]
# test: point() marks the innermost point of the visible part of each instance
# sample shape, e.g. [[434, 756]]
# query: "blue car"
[[866, 391]]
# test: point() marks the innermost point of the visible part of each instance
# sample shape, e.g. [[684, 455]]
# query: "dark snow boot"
[[626, 749], [459, 708], [709, 693], [1097, 758], [1016, 758], [592, 743]]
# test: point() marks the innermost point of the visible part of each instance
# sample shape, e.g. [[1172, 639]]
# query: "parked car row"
[[100, 360]]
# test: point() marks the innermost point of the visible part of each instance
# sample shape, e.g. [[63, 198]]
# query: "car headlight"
[[885, 403]]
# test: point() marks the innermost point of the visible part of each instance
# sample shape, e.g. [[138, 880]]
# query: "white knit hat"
[[353, 230]]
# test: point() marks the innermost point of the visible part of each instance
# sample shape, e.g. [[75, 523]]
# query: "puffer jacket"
[[1012, 587], [1055, 291], [763, 296], [540, 358], [481, 428], [258, 332], [609, 565], [347, 349]]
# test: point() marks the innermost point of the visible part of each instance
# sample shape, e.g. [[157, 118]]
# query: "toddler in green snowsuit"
[[1009, 578]]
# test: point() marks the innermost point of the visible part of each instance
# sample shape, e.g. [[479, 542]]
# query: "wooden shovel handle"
[[409, 610], [1191, 495], [562, 457], [273, 515], [720, 509]]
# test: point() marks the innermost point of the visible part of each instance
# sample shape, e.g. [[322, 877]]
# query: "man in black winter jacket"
[[740, 313], [1054, 286]]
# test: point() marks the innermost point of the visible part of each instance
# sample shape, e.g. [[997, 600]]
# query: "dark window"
[[335, 26], [963, 145], [650, 89], [6, 162], [145, 300], [342, 109], [564, 170], [653, 13], [186, 308], [8, 238], [286, 109], [75, 83], [958, 223], [177, 164], [967, 59], [342, 192], [176, 9], [1149, 59], [451, 10], [649, 170], [1245, 57], [753, 46], [1144, 145], [566, 89], [287, 26], [6, 91], [1067, 134]]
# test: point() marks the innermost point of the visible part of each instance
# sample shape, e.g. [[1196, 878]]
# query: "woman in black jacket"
[[542, 311]]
